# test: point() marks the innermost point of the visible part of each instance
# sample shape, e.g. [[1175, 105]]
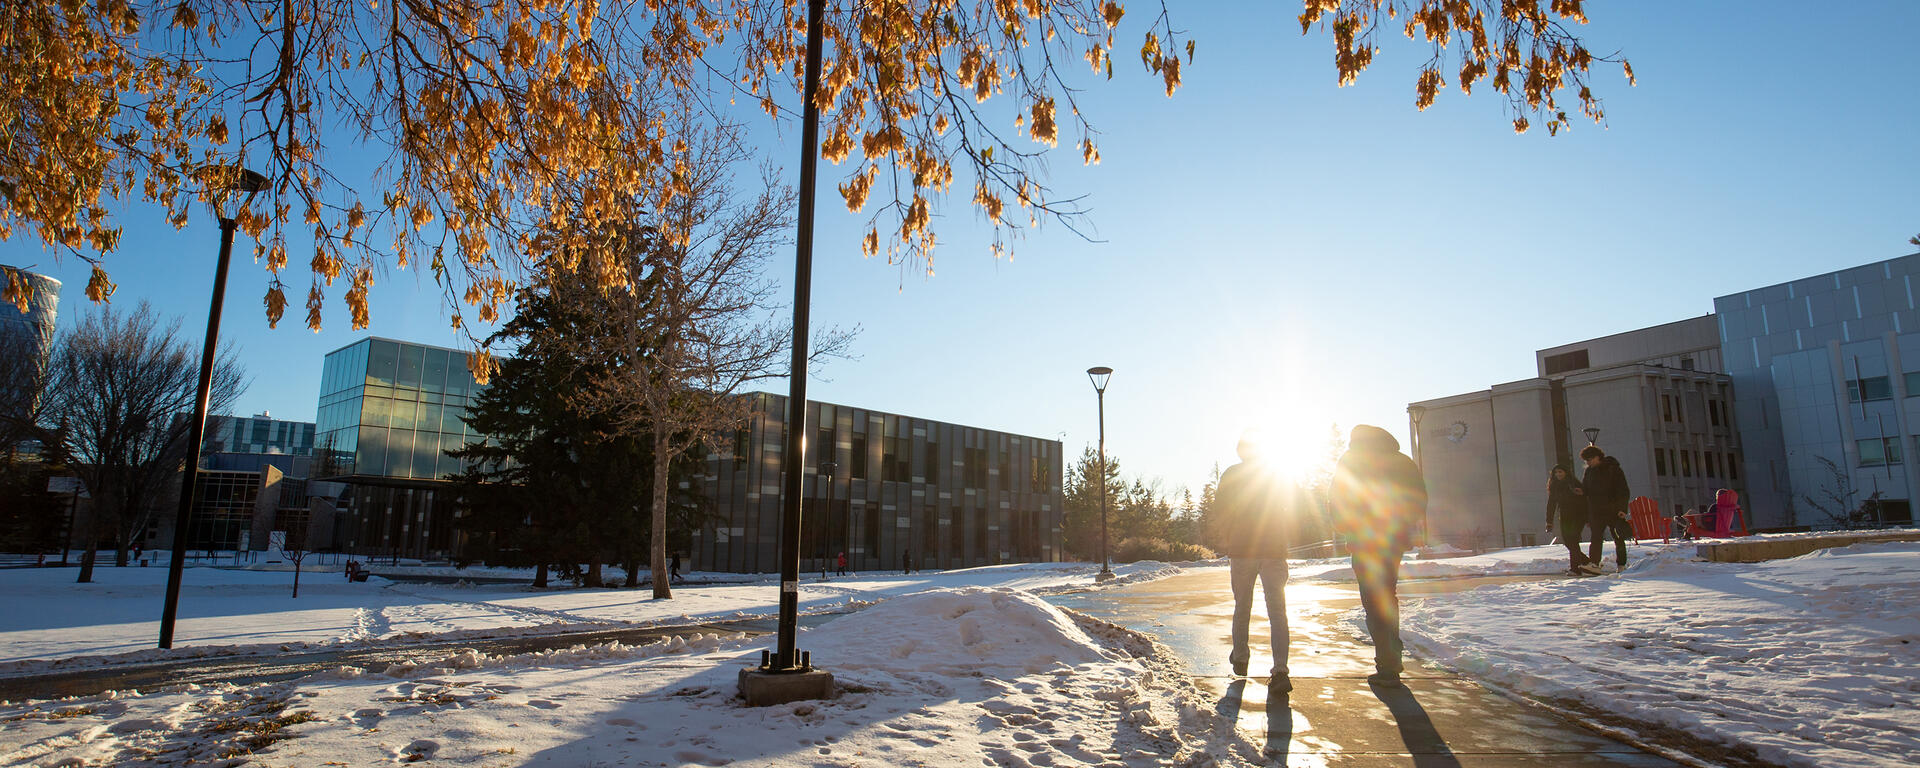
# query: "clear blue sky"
[[1275, 249]]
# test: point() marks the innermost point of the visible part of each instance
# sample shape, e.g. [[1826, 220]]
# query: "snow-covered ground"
[[51, 623], [943, 677], [1813, 661]]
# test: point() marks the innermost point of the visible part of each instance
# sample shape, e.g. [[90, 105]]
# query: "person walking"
[[1564, 497], [906, 561], [673, 569], [1378, 499], [840, 563], [1606, 493], [1256, 506]]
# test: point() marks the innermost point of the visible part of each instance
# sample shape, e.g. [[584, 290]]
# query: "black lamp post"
[[229, 189], [1099, 375], [1593, 435], [826, 484]]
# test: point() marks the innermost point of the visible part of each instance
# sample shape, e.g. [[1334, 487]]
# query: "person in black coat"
[[1606, 492], [1256, 504], [1563, 497], [1379, 497]]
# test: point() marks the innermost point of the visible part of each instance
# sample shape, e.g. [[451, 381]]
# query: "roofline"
[[1585, 342], [1815, 276]]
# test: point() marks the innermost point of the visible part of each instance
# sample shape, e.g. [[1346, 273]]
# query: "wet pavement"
[[1333, 717]]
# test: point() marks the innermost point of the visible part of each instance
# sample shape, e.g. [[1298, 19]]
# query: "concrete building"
[[1657, 396], [1827, 375], [946, 495]]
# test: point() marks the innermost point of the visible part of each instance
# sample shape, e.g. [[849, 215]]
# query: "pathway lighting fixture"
[[1099, 375], [1593, 435], [229, 190]]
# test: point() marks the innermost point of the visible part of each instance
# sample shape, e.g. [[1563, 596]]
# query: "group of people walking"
[[1377, 502], [1595, 503]]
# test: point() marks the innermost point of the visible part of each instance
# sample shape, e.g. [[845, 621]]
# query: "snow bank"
[[1813, 661], [937, 677]]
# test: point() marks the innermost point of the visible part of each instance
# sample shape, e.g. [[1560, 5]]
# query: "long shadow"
[[1279, 725], [1424, 743]]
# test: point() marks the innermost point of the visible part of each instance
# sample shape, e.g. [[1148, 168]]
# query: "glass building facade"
[[388, 413], [391, 409]]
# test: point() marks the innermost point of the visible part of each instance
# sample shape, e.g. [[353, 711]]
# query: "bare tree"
[[696, 319], [123, 385], [1836, 497]]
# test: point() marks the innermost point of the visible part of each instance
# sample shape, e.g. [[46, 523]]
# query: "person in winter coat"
[[1378, 499], [1256, 506], [1563, 497], [1606, 492], [840, 564]]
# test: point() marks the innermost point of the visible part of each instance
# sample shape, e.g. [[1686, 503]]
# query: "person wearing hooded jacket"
[[1378, 499], [1606, 492], [1256, 507], [1564, 496]]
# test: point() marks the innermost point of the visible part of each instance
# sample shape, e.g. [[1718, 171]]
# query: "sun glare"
[[1294, 445]]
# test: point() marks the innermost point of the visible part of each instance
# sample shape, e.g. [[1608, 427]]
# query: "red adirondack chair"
[[1646, 519]]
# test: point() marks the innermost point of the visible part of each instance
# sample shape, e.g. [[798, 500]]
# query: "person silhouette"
[[1256, 505], [1378, 498]]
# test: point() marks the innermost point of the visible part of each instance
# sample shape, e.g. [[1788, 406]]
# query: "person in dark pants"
[[1378, 499], [1563, 497], [906, 561], [1606, 492], [673, 568], [1256, 506]]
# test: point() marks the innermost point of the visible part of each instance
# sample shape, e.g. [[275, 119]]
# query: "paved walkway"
[[1332, 717]]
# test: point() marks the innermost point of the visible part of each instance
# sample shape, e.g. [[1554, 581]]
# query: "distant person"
[[906, 561], [1378, 500], [673, 569], [1256, 507], [1563, 497], [840, 563], [1606, 492]]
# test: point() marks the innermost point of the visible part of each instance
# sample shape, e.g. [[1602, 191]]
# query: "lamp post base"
[[1104, 575], [764, 688]]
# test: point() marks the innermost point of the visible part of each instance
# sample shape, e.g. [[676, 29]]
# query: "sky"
[[1269, 249]]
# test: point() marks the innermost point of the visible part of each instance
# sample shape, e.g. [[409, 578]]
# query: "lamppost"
[[1593, 435], [788, 675], [230, 188], [823, 487], [1099, 375], [846, 526], [1416, 413]]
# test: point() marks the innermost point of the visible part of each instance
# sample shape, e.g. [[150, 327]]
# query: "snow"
[[54, 624], [1812, 661], [946, 676]]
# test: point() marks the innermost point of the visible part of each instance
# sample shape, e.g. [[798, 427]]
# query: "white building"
[[1657, 396]]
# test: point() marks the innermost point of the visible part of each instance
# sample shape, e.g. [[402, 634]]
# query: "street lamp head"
[[1593, 435], [1417, 412], [1098, 374], [229, 187], [827, 468]]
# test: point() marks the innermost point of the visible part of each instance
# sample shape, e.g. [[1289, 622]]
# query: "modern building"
[[26, 337], [260, 433], [1659, 403], [1826, 371], [944, 495], [899, 489], [388, 412]]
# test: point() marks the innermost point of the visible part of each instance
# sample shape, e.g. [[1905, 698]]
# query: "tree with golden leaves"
[[507, 123]]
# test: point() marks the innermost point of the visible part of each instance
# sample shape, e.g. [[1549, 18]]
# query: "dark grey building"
[[260, 433], [945, 495]]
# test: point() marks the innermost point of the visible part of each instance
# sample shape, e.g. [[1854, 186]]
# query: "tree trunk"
[[93, 548], [540, 576], [633, 571], [661, 589], [296, 574], [593, 571]]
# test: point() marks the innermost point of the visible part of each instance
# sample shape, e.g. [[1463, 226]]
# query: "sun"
[[1294, 444]]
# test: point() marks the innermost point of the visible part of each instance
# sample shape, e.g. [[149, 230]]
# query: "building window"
[[1733, 467], [858, 459], [1686, 463], [1913, 383], [1709, 460], [976, 468], [1660, 461], [1869, 389], [933, 462], [1713, 412], [1666, 408], [1878, 451], [1566, 361]]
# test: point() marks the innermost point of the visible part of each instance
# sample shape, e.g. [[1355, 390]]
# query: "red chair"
[[1646, 519], [1729, 519]]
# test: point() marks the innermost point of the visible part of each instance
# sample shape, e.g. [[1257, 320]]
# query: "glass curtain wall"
[[391, 409]]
